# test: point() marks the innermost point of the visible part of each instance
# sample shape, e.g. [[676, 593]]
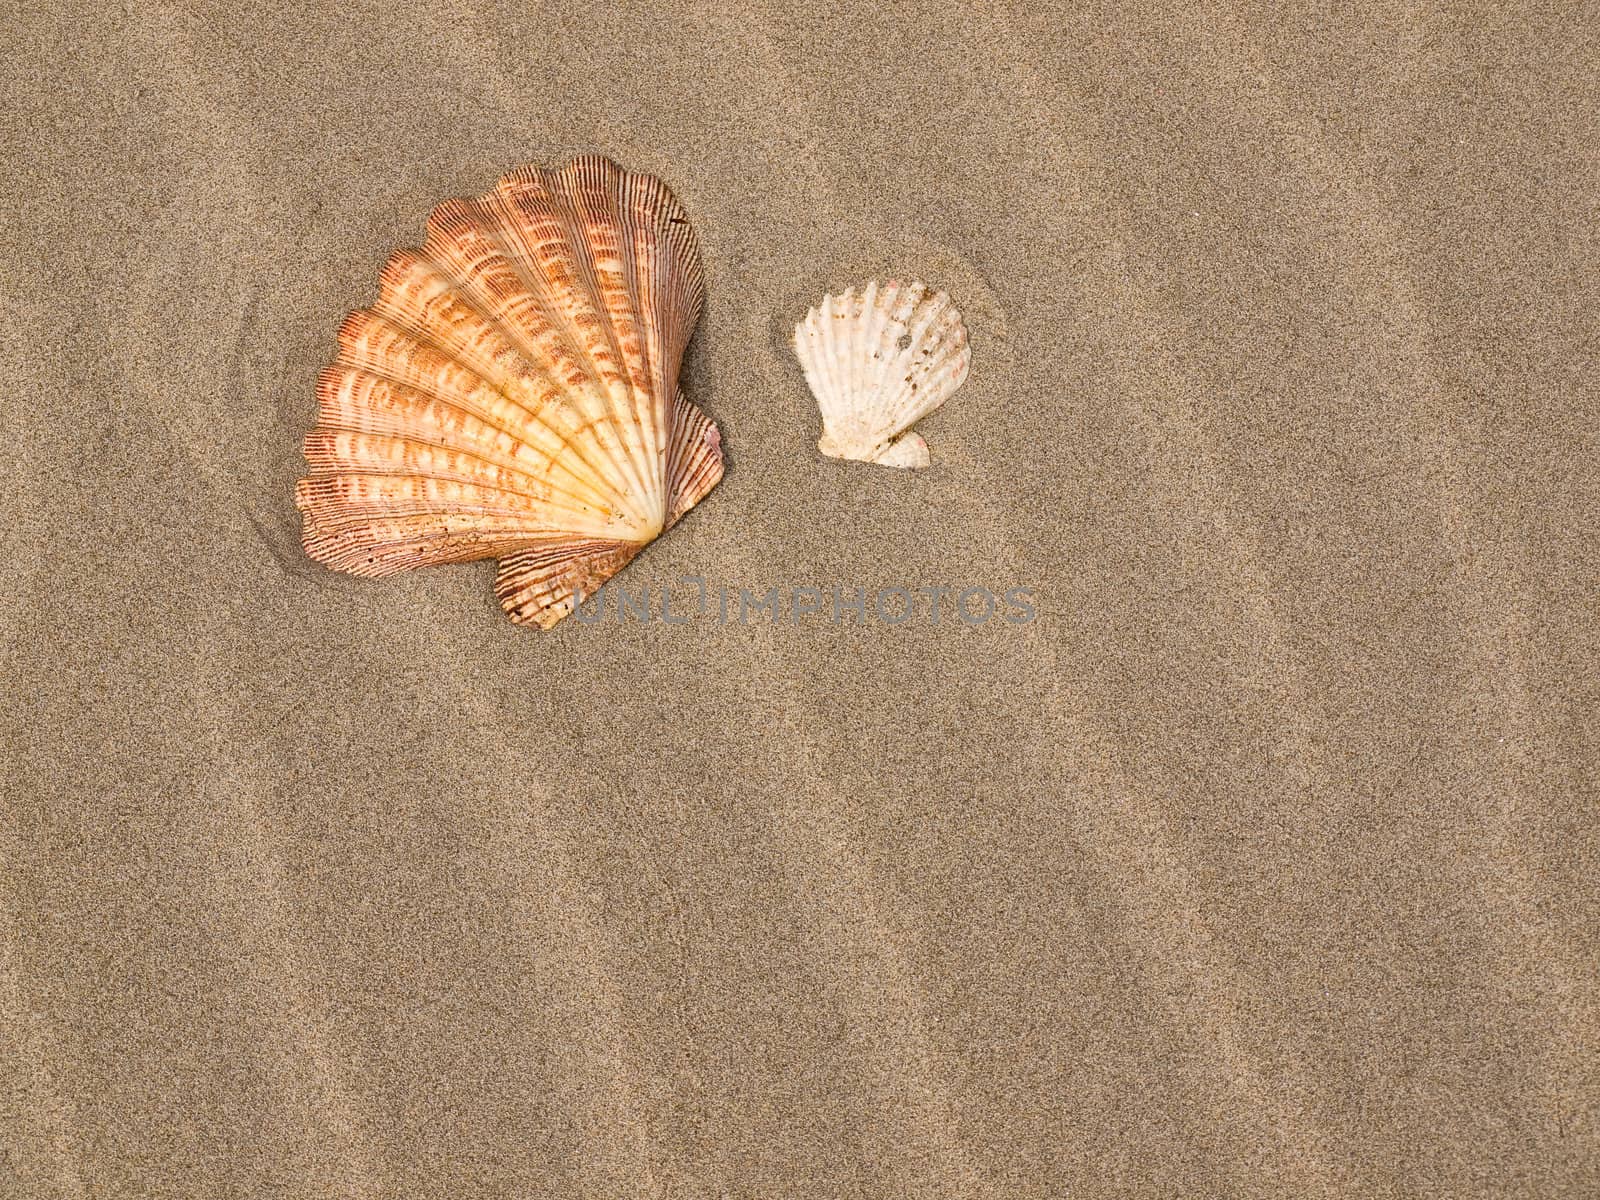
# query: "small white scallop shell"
[[878, 360]]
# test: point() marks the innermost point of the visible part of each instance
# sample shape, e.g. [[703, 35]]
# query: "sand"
[[1262, 862]]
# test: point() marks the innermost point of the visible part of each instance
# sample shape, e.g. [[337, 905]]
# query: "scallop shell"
[[878, 361], [513, 393]]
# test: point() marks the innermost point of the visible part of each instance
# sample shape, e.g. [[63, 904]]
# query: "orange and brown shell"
[[513, 393]]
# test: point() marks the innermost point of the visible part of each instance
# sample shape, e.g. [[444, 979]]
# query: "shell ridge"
[[945, 369], [396, 495], [893, 383], [649, 412], [358, 495], [333, 461], [653, 262], [519, 258], [656, 208], [852, 350], [871, 329], [845, 338], [920, 387], [534, 367], [674, 279], [540, 583], [671, 274], [655, 281], [859, 406], [491, 378], [381, 546], [858, 354], [490, 230], [380, 370], [834, 397], [392, 307], [568, 200], [457, 228], [415, 398], [648, 367], [695, 457], [830, 360]]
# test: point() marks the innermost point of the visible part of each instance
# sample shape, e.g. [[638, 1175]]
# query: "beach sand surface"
[[1262, 862]]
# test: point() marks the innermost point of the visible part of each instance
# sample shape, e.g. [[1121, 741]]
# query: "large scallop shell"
[[513, 393], [878, 361]]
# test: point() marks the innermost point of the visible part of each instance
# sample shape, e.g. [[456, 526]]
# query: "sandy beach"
[[1262, 861]]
